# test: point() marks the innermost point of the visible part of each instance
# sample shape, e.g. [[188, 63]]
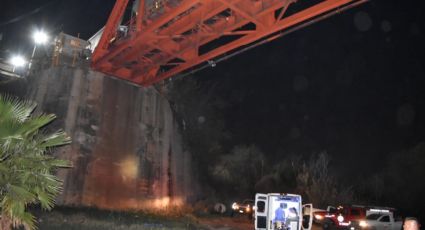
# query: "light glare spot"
[[362, 21], [40, 37], [17, 61], [129, 168]]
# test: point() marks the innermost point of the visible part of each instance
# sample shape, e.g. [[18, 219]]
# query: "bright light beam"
[[40, 37], [17, 61]]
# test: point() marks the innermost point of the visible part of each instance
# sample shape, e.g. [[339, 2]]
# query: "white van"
[[282, 211]]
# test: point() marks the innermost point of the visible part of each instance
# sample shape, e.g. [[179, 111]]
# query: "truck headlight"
[[340, 218], [363, 224]]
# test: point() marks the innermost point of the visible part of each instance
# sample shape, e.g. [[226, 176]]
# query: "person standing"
[[279, 217]]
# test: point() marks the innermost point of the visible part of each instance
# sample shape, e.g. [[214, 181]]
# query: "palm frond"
[[20, 194], [26, 169], [56, 139], [58, 163], [11, 108], [30, 126], [25, 219]]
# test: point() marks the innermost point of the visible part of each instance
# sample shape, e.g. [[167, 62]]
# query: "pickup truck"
[[379, 221]]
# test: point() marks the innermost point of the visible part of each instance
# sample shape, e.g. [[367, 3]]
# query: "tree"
[[283, 176], [399, 183], [318, 185], [26, 167], [402, 177], [241, 169], [198, 109]]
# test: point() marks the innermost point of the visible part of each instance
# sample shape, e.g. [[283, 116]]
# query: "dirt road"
[[227, 223], [235, 223]]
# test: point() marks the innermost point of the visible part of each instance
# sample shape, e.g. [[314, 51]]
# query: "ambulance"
[[282, 211]]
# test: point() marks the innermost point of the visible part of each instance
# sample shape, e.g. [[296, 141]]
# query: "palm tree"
[[26, 166]]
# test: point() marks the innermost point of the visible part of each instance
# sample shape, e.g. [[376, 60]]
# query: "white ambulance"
[[281, 211]]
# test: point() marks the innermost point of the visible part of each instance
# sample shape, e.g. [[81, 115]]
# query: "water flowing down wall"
[[126, 151]]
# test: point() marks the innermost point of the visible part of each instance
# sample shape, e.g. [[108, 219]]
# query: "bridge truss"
[[162, 38]]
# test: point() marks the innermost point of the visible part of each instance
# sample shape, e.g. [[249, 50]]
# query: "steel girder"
[[167, 37]]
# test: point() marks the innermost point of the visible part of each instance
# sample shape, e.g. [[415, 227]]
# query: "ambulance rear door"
[[261, 210], [307, 216]]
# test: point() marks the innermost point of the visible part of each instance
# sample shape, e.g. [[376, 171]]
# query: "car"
[[244, 207]]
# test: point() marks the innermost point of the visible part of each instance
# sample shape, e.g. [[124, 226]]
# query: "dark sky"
[[352, 85], [18, 18]]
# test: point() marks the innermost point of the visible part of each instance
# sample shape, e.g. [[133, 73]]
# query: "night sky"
[[352, 85]]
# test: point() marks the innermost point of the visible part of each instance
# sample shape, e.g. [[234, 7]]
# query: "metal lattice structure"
[[162, 38]]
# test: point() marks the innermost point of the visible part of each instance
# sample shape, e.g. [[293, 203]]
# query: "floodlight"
[[40, 37], [18, 61]]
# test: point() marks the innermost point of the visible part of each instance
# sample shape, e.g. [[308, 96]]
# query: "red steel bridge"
[[147, 41]]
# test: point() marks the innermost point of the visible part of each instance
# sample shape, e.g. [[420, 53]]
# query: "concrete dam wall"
[[126, 147]]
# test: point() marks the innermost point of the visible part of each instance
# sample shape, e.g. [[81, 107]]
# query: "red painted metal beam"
[[283, 24], [140, 16], [110, 29], [101, 58], [146, 55], [243, 12]]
